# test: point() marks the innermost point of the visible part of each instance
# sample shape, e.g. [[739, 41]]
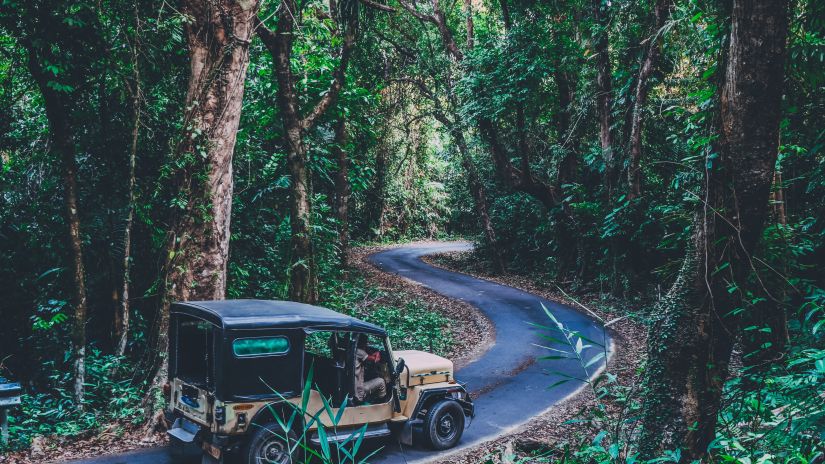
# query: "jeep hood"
[[424, 368]]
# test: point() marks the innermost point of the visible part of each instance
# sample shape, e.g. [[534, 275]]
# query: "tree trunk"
[[480, 200], [57, 112], [342, 190], [198, 241], [468, 11], [778, 198], [122, 315], [303, 272], [571, 261], [654, 49], [380, 188], [604, 89], [690, 348]]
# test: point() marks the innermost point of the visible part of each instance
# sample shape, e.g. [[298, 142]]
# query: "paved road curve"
[[513, 384]]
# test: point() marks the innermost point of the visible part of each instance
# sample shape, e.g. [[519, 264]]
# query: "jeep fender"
[[428, 398]]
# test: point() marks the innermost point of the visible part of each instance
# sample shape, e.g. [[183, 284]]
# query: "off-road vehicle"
[[234, 365]]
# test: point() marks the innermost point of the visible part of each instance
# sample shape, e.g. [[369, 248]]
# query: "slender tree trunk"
[[654, 49], [474, 182], [505, 14], [63, 142], [571, 261], [303, 272], [122, 315], [342, 190], [57, 112], [381, 168], [468, 11], [480, 200], [604, 89], [778, 198], [198, 240], [690, 348]]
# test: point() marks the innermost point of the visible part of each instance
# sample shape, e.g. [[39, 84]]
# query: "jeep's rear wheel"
[[444, 424], [269, 446]]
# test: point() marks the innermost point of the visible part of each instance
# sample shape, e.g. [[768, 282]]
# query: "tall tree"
[[57, 111], [135, 90], [691, 345], [342, 188], [604, 89], [218, 35], [58, 50], [518, 178], [303, 273], [661, 12]]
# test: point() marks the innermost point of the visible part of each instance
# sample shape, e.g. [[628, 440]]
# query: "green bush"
[[111, 398]]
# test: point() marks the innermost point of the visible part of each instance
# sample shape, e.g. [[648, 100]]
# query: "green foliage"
[[112, 399], [411, 324], [295, 422], [408, 182]]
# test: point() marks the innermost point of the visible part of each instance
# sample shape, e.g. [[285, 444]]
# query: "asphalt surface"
[[512, 384]]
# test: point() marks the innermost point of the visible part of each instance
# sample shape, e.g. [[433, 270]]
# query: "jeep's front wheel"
[[269, 445], [444, 424]]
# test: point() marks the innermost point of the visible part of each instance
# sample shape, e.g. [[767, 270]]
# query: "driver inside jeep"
[[372, 389]]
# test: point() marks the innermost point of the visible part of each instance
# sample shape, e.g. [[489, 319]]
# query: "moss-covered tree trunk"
[[690, 347]]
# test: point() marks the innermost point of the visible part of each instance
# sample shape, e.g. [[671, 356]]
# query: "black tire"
[[444, 425], [267, 445]]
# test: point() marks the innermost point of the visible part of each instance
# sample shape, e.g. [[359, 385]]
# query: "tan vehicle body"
[[423, 371]]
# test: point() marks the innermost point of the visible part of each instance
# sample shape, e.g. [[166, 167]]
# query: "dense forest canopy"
[[664, 154]]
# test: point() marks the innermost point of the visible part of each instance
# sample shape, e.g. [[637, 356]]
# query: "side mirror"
[[399, 368]]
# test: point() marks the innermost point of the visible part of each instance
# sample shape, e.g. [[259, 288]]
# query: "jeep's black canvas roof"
[[263, 314]]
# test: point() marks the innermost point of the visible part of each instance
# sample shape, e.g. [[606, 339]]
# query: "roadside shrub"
[[111, 398]]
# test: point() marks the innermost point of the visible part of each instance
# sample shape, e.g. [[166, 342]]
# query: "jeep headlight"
[[458, 394]]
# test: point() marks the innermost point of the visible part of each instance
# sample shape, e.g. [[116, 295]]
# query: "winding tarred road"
[[512, 382]]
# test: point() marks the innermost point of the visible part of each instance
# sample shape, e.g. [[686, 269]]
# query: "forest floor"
[[545, 437]]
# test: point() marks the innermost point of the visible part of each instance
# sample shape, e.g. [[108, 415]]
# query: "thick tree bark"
[[604, 90], [342, 189], [690, 348], [303, 272], [661, 11], [62, 140], [198, 241]]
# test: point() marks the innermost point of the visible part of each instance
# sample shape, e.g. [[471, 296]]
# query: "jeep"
[[235, 365]]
